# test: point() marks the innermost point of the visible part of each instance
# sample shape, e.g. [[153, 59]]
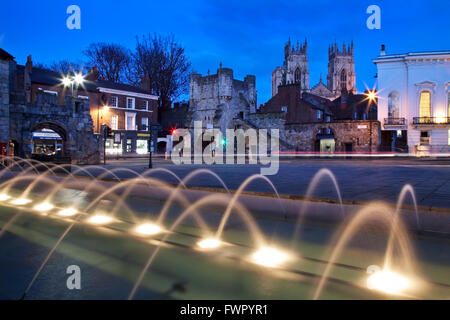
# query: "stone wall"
[[72, 121], [4, 100], [362, 135]]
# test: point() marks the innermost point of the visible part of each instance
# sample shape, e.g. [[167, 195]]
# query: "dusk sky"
[[247, 36]]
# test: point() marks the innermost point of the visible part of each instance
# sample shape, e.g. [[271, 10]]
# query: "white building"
[[414, 101]]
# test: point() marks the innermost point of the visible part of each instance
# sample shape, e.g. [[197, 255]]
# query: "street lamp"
[[77, 79]]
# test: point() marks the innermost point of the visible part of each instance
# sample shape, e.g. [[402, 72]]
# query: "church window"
[[343, 79], [297, 75]]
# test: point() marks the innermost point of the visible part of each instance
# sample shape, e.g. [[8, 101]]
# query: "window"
[[141, 146], [355, 115], [297, 75], [424, 138], [130, 103], [130, 121], [319, 114], [113, 101], [284, 109], [144, 122], [393, 105], [328, 119], [343, 79], [129, 146], [115, 122], [425, 104]]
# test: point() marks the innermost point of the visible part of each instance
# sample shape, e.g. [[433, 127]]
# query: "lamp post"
[[77, 79]]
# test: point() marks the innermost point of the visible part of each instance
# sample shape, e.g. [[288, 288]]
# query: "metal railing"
[[431, 120], [395, 121]]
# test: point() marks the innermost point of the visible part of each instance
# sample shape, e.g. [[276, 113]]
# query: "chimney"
[[145, 83], [92, 74], [383, 50]]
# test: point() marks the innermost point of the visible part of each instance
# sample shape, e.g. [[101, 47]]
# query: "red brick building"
[[128, 110]]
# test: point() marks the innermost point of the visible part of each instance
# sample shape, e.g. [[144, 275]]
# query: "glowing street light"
[[269, 257], [209, 243], [77, 79], [388, 282]]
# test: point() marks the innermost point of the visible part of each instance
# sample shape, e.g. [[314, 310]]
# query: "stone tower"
[[216, 99], [295, 68], [341, 69]]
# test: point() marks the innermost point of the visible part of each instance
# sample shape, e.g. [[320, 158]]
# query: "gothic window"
[[425, 104], [343, 79], [393, 105], [297, 75]]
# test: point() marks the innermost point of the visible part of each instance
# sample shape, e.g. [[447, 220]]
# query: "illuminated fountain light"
[[67, 212], [20, 201], [4, 197], [209, 243], [44, 207], [100, 219], [148, 229], [388, 282], [269, 257]]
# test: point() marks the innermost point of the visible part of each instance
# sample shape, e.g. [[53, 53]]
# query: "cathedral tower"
[[341, 69], [295, 68]]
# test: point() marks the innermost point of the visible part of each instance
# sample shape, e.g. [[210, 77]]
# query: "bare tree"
[[66, 67], [112, 60], [162, 64]]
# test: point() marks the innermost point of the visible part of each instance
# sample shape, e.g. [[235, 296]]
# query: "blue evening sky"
[[247, 35]]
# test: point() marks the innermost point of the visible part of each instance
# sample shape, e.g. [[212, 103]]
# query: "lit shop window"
[[112, 148], [141, 146]]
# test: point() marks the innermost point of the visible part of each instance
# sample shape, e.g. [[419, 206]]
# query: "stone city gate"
[[71, 121]]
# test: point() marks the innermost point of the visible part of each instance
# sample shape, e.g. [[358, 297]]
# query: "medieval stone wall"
[[71, 121], [363, 135], [4, 100]]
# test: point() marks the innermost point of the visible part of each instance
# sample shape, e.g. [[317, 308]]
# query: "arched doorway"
[[48, 139], [325, 141]]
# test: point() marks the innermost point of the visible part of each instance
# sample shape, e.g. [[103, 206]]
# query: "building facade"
[[414, 101], [40, 124]]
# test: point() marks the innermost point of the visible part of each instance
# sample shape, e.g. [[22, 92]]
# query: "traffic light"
[[223, 141], [106, 131]]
